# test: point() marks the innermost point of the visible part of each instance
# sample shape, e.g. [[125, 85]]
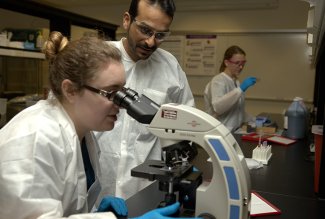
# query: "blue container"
[[296, 116]]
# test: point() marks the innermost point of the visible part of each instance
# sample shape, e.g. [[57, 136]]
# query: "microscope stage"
[[156, 170]]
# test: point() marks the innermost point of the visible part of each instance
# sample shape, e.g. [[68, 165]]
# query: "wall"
[[291, 15], [10, 19], [279, 60]]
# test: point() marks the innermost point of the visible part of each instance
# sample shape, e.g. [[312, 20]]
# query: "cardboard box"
[[264, 129]]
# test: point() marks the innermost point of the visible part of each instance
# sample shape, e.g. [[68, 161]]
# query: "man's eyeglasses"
[[238, 63], [147, 32], [108, 94]]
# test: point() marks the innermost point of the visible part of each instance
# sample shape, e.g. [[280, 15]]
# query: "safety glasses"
[[148, 32], [238, 63], [108, 94]]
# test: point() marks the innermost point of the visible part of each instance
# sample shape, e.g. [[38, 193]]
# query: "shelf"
[[5, 51]]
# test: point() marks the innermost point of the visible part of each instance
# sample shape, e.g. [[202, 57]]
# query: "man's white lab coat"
[[129, 144]]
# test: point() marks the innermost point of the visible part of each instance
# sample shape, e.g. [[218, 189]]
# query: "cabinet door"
[[22, 75]]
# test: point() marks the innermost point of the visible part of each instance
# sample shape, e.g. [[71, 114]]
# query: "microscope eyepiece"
[[131, 93], [141, 108], [125, 97]]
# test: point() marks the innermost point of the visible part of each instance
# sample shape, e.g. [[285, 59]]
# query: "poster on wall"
[[175, 45], [200, 54]]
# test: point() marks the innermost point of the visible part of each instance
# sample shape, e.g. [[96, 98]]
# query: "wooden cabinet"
[[22, 72], [60, 20], [25, 72]]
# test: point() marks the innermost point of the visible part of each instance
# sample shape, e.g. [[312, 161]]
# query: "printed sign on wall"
[[200, 54]]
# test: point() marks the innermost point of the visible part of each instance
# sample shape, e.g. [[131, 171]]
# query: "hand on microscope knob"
[[163, 213], [195, 169], [113, 204]]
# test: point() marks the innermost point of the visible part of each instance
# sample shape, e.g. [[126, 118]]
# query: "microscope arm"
[[227, 195], [143, 109]]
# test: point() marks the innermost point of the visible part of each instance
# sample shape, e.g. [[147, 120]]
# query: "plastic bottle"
[[39, 40], [296, 119]]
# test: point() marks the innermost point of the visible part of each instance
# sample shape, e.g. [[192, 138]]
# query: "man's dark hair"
[[166, 6]]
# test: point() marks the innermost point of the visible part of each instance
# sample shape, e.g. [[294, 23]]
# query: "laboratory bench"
[[287, 181]]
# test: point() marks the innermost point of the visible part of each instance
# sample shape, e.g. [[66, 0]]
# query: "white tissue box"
[[16, 44], [3, 40]]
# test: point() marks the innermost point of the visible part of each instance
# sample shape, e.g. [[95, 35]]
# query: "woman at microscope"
[[49, 157]]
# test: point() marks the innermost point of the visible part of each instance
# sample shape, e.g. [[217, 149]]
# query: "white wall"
[[10, 19], [280, 61], [289, 16]]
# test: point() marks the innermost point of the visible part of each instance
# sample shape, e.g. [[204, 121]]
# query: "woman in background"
[[224, 96]]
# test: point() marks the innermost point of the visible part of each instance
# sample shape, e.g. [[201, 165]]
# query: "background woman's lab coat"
[[225, 101]]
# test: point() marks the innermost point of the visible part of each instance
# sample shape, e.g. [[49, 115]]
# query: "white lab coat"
[[225, 101], [42, 172], [129, 144]]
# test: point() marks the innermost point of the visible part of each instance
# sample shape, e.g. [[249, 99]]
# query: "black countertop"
[[287, 182]]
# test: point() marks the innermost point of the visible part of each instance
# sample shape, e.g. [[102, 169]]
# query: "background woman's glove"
[[249, 81], [113, 204], [162, 213]]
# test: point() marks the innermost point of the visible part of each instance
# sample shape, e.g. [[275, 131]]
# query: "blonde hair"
[[78, 61]]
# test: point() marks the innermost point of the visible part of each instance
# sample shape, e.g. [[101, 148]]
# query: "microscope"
[[180, 128]]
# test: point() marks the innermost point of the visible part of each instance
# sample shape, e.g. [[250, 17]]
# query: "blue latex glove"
[[247, 83], [113, 204], [195, 169], [162, 213]]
